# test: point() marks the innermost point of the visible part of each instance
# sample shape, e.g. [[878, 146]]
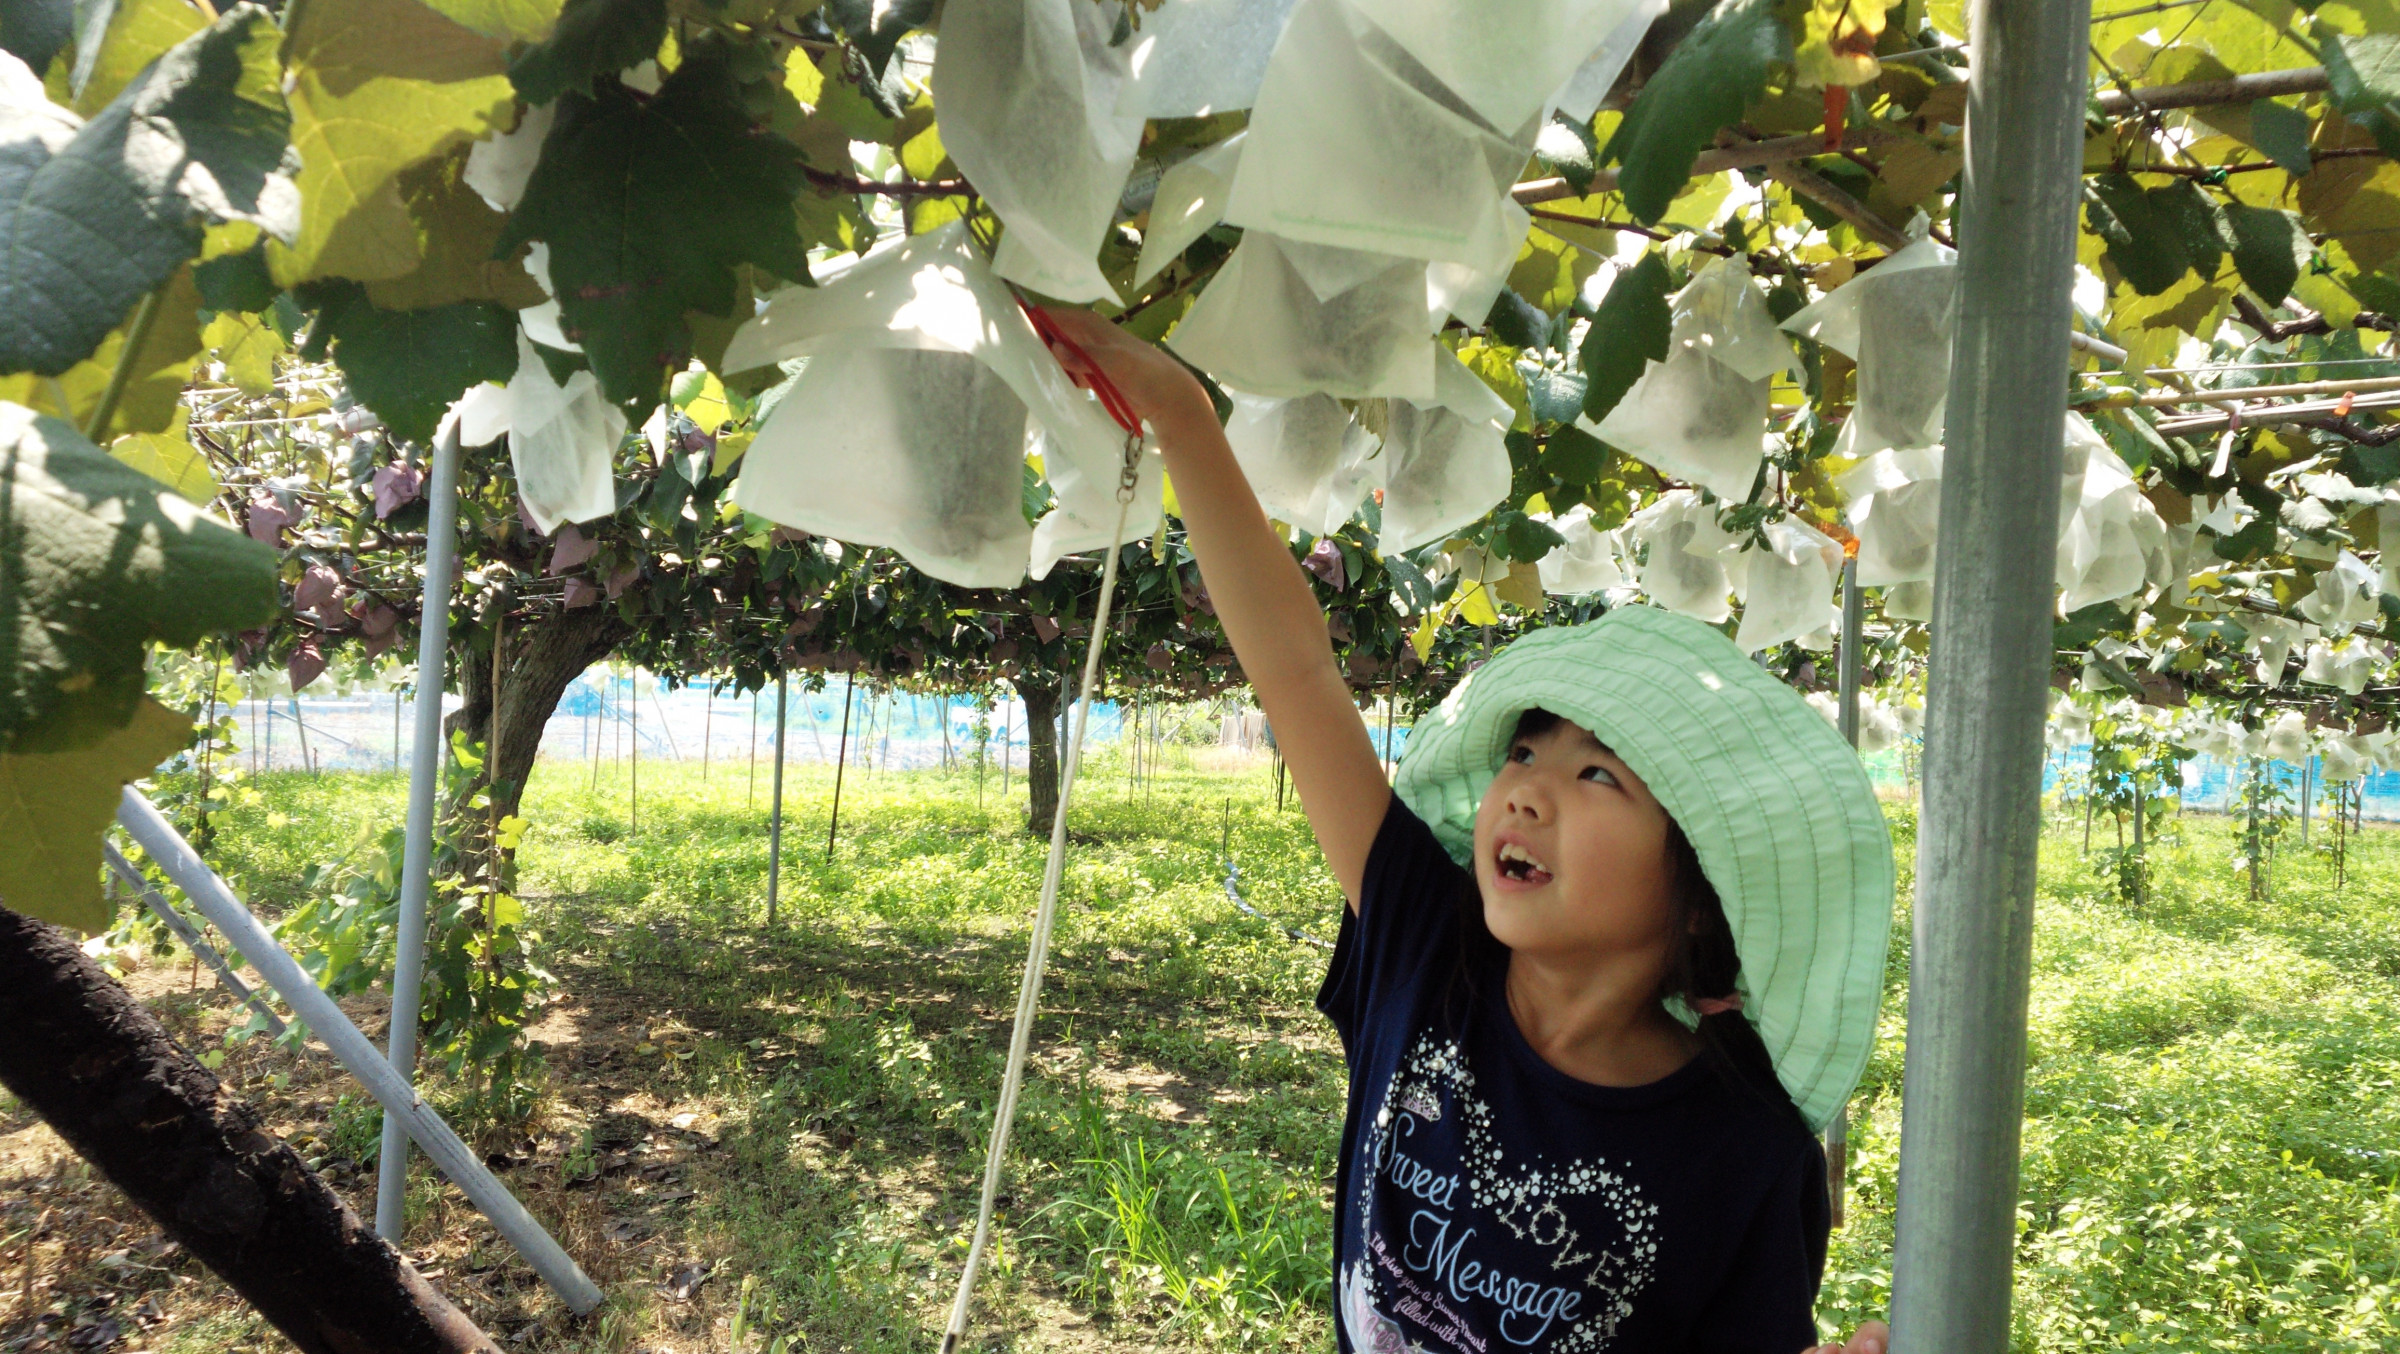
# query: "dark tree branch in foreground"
[[108, 1077], [2277, 330]]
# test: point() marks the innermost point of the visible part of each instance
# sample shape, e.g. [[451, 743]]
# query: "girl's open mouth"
[[1515, 863]]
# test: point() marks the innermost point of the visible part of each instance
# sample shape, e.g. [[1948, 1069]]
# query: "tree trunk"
[[1042, 707], [540, 658], [104, 1073]]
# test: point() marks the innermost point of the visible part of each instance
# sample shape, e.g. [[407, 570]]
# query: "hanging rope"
[[1029, 986]]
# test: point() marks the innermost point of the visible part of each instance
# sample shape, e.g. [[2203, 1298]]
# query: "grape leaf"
[[1630, 329], [2281, 133], [1703, 87], [1575, 456], [458, 229], [55, 807], [97, 562], [2362, 69], [170, 458], [2142, 238], [35, 31], [2197, 222], [594, 39], [649, 206], [138, 32], [154, 383], [376, 86], [875, 29], [236, 281], [507, 20], [98, 213], [2270, 248], [409, 365]]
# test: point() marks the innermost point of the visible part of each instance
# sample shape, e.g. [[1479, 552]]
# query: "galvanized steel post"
[[1980, 820], [424, 778]]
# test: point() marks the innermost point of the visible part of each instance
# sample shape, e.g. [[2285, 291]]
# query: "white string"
[[1029, 986]]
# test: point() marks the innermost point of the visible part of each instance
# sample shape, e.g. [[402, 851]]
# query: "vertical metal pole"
[[2307, 765], [424, 777], [1854, 616], [1980, 827], [775, 812], [633, 761], [708, 731]]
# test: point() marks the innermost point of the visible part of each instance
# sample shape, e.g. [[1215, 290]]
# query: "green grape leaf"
[[1704, 86], [1630, 329], [376, 86], [139, 31], [2142, 238], [594, 39], [236, 281], [97, 562], [2379, 292], [1553, 395], [458, 228], [2281, 133], [100, 212], [875, 29], [409, 365], [55, 807], [715, 192], [1517, 322], [36, 31], [2270, 248], [507, 20], [2361, 69], [1567, 149], [1523, 538], [2197, 222], [1575, 456]]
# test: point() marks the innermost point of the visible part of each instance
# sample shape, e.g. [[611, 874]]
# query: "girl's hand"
[[1156, 385], [1871, 1337]]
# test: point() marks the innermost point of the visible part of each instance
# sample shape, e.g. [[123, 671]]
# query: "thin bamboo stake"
[[775, 815], [2244, 395], [841, 759]]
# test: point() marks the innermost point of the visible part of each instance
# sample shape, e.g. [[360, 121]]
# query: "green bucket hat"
[[1773, 800]]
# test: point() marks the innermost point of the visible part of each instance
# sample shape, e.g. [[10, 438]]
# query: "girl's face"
[[1571, 850]]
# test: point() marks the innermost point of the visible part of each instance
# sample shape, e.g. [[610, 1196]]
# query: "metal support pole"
[[191, 938], [424, 778], [1980, 827], [775, 813], [143, 822], [1854, 617]]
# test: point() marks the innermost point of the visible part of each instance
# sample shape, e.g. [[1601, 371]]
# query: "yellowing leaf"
[[138, 31], [729, 451], [1421, 639], [1549, 271], [1523, 587], [456, 230], [170, 458], [803, 81], [507, 20], [1837, 43], [2320, 293], [376, 86], [702, 400], [922, 155], [1475, 605], [153, 394], [1496, 368], [248, 346], [55, 807]]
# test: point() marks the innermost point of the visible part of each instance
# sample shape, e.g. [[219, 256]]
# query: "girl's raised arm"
[[1260, 594]]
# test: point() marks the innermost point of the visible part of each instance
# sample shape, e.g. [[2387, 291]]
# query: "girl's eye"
[[1521, 755], [1600, 774]]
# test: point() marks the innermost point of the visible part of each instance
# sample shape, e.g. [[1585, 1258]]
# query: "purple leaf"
[[580, 593], [266, 521], [395, 487], [571, 549], [305, 665]]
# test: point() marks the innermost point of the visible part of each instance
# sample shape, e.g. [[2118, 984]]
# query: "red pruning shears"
[[1111, 399]]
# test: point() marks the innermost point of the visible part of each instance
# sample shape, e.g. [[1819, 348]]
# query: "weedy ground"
[[748, 1131]]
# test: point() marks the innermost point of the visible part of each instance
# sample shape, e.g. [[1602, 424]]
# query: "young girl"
[[1613, 953]]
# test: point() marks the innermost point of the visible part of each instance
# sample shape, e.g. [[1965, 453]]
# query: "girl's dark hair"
[[1702, 966]]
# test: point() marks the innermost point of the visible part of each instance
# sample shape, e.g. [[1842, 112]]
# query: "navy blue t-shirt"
[[1487, 1202]]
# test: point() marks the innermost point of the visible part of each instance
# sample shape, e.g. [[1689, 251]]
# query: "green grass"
[[2212, 1142]]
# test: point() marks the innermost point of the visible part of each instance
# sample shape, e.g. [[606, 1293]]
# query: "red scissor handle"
[[1111, 399]]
